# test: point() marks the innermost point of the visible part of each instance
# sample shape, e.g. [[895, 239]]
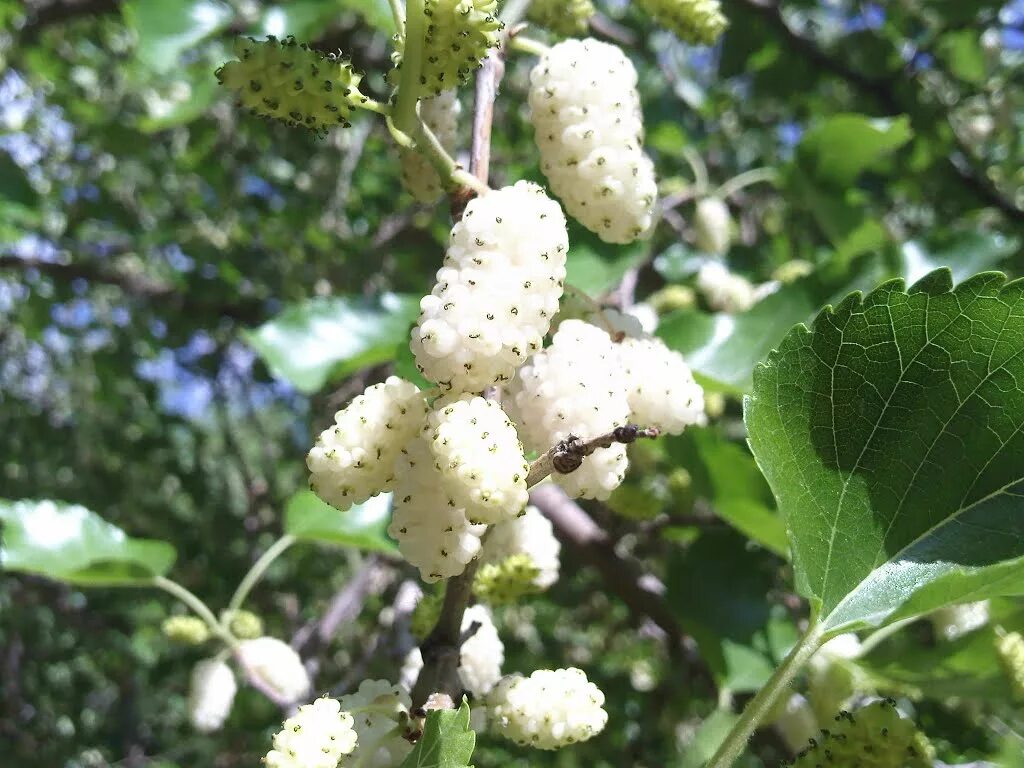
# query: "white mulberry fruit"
[[441, 115], [574, 387], [317, 736], [433, 534], [380, 711], [497, 291], [479, 458], [661, 388], [713, 225], [211, 694], [355, 458], [955, 621], [530, 534], [586, 116], [547, 710], [480, 657], [723, 290], [276, 665]]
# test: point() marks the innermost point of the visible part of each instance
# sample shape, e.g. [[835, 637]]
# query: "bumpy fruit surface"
[[459, 33], [661, 388], [211, 694], [547, 710], [497, 291], [245, 625], [290, 82], [713, 225], [276, 665], [575, 386], [563, 17], [1010, 649], [441, 115], [425, 614], [380, 711], [355, 458], [187, 630], [479, 458], [506, 582], [433, 534], [586, 116], [482, 653], [531, 534], [692, 21], [317, 736], [874, 736]]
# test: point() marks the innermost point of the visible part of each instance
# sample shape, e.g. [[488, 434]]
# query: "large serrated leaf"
[[447, 740], [892, 435], [69, 543]]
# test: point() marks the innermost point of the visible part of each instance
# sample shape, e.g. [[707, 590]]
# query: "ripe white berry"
[[955, 621], [586, 116], [529, 534], [547, 710], [441, 115], [380, 711], [661, 387], [355, 459], [480, 458], [317, 736], [713, 225], [211, 694], [432, 532], [276, 665], [482, 653], [796, 722], [497, 291], [480, 657], [831, 680], [723, 290], [574, 387]]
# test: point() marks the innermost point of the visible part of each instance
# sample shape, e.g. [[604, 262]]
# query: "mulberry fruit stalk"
[[275, 665], [479, 458], [441, 115], [355, 458], [317, 736], [497, 291], [588, 126], [575, 386], [290, 82], [547, 710], [211, 694]]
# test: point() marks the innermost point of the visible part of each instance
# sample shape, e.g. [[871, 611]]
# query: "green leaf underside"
[[69, 543], [892, 435], [447, 740], [364, 526], [311, 343]]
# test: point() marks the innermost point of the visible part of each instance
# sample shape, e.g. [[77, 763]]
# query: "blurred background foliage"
[[188, 293]]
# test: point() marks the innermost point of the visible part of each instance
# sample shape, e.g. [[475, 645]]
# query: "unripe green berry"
[[245, 625], [507, 582], [288, 81], [187, 630], [792, 270], [1010, 649], [699, 22], [425, 614], [563, 17]]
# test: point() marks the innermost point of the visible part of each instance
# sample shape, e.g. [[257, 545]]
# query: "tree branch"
[[568, 454], [883, 90]]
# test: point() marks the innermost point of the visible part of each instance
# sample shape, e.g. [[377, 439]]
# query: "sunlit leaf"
[[364, 526]]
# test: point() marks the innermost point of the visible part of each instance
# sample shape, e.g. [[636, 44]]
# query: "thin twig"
[[568, 454]]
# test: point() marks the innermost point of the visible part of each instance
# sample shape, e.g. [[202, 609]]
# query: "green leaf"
[[962, 53], [965, 254], [187, 98], [447, 740], [364, 526], [594, 267], [717, 588], [708, 738], [168, 28], [722, 349], [892, 435], [69, 543], [323, 339], [838, 150], [14, 185]]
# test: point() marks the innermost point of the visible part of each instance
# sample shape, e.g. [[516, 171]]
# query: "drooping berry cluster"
[[586, 116], [288, 81], [441, 115], [499, 287], [547, 710]]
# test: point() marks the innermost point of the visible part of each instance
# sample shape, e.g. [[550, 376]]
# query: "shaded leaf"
[[168, 28], [363, 526], [69, 543], [447, 740], [892, 435], [312, 343], [14, 185], [965, 254], [836, 151]]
